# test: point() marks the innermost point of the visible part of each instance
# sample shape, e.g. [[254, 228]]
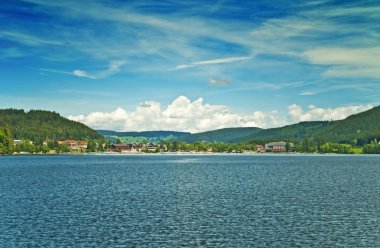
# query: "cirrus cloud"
[[213, 61], [114, 67], [347, 62], [219, 81]]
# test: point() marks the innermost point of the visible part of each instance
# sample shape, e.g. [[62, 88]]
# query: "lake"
[[190, 200]]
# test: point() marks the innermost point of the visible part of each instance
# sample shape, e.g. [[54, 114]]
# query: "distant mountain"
[[149, 136], [357, 129], [39, 126], [226, 135]]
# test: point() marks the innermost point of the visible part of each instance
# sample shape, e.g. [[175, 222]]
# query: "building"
[[82, 144], [74, 144], [279, 146], [151, 147], [122, 148], [260, 148]]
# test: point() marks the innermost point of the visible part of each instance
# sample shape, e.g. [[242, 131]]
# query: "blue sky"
[[256, 60]]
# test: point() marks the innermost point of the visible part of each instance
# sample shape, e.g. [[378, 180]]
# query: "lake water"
[[173, 201]]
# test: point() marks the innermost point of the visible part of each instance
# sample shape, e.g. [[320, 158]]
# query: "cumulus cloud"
[[296, 113], [197, 116], [180, 115], [219, 81], [114, 67]]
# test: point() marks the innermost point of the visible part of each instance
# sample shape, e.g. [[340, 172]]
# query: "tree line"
[[176, 146]]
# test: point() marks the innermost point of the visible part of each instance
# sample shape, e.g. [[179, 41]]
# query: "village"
[[81, 146], [180, 147]]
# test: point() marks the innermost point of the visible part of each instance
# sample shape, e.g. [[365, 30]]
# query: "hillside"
[[357, 129], [257, 135], [293, 133], [361, 128], [148, 136], [226, 135], [39, 126]]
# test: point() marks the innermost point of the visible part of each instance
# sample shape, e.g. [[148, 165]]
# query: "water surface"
[[172, 201]]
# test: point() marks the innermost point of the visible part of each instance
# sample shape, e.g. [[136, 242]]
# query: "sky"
[[190, 65]]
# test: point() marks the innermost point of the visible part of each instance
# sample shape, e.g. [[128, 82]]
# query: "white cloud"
[[296, 113], [345, 56], [80, 73], [213, 61], [197, 116], [181, 115], [219, 81], [307, 93], [347, 62], [29, 39], [113, 68], [353, 72]]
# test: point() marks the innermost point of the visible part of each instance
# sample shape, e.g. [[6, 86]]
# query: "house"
[[151, 147], [74, 144], [260, 148], [279, 146], [69, 143], [122, 148], [82, 144]]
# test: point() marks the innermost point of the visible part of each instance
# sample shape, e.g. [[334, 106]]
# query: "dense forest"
[[39, 126], [6, 141]]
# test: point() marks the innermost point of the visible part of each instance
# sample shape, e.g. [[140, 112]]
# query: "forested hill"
[[39, 126], [257, 135], [358, 129], [292, 133], [226, 135]]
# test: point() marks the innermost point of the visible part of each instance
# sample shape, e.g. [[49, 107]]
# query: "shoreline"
[[186, 154]]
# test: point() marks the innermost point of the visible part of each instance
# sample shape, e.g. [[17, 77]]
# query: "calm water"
[[172, 201]]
